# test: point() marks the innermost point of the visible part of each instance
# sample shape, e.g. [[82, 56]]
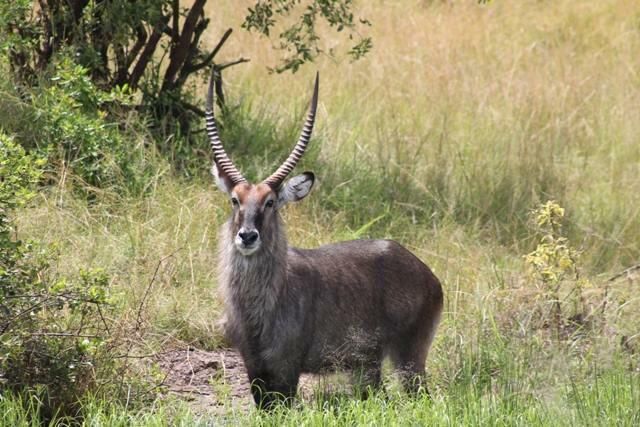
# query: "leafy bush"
[[155, 46], [554, 258], [54, 332], [74, 127], [82, 130], [18, 173], [554, 262]]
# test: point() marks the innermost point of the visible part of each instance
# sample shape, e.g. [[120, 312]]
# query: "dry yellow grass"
[[489, 110], [490, 62], [546, 91], [505, 100]]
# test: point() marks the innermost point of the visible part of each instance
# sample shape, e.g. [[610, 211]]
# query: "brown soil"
[[215, 381], [208, 380]]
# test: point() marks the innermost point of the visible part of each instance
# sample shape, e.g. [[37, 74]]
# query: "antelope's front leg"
[[269, 390]]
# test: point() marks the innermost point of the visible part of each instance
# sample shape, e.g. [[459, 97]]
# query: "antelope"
[[343, 306]]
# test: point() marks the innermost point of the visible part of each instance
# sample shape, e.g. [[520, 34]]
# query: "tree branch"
[[121, 63], [194, 109], [180, 50], [222, 41], [626, 272], [207, 60], [231, 64], [186, 70], [77, 6], [217, 81], [45, 52], [135, 49], [122, 73], [147, 53], [175, 23]]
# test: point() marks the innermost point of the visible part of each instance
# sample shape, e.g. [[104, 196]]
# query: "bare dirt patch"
[[216, 381], [208, 380]]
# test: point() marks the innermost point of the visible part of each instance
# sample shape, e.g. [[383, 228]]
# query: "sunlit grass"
[[504, 397], [488, 108], [460, 121]]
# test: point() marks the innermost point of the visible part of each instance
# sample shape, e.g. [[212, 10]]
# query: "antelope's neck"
[[252, 285]]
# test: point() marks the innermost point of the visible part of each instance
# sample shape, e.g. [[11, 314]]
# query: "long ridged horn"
[[222, 161], [275, 180]]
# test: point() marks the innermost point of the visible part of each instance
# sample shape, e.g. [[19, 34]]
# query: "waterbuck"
[[343, 306]]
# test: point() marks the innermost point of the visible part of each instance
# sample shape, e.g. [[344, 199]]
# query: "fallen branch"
[[626, 272], [232, 63], [148, 289], [62, 335]]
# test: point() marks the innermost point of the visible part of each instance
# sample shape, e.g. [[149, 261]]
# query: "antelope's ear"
[[223, 181], [296, 188]]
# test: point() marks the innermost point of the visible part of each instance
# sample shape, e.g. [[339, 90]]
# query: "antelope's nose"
[[248, 237]]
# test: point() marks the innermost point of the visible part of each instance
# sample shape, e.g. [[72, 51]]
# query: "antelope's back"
[[376, 287]]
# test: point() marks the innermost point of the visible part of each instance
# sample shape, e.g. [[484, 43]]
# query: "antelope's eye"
[[234, 201], [269, 203]]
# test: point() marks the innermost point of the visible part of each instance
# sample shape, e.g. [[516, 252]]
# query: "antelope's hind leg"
[[367, 379], [410, 367], [409, 358]]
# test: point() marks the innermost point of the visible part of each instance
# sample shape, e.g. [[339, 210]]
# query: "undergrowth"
[[472, 116]]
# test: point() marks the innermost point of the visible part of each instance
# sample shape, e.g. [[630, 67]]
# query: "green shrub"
[[18, 173], [554, 264], [88, 138], [54, 333], [78, 130]]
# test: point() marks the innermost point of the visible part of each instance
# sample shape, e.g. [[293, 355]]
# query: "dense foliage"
[[497, 141], [32, 308], [79, 68], [155, 46], [58, 337]]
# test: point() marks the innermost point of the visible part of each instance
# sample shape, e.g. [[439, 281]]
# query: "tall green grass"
[[495, 384], [488, 109], [460, 122]]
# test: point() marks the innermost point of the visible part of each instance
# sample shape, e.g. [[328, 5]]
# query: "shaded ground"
[[212, 380], [206, 379]]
